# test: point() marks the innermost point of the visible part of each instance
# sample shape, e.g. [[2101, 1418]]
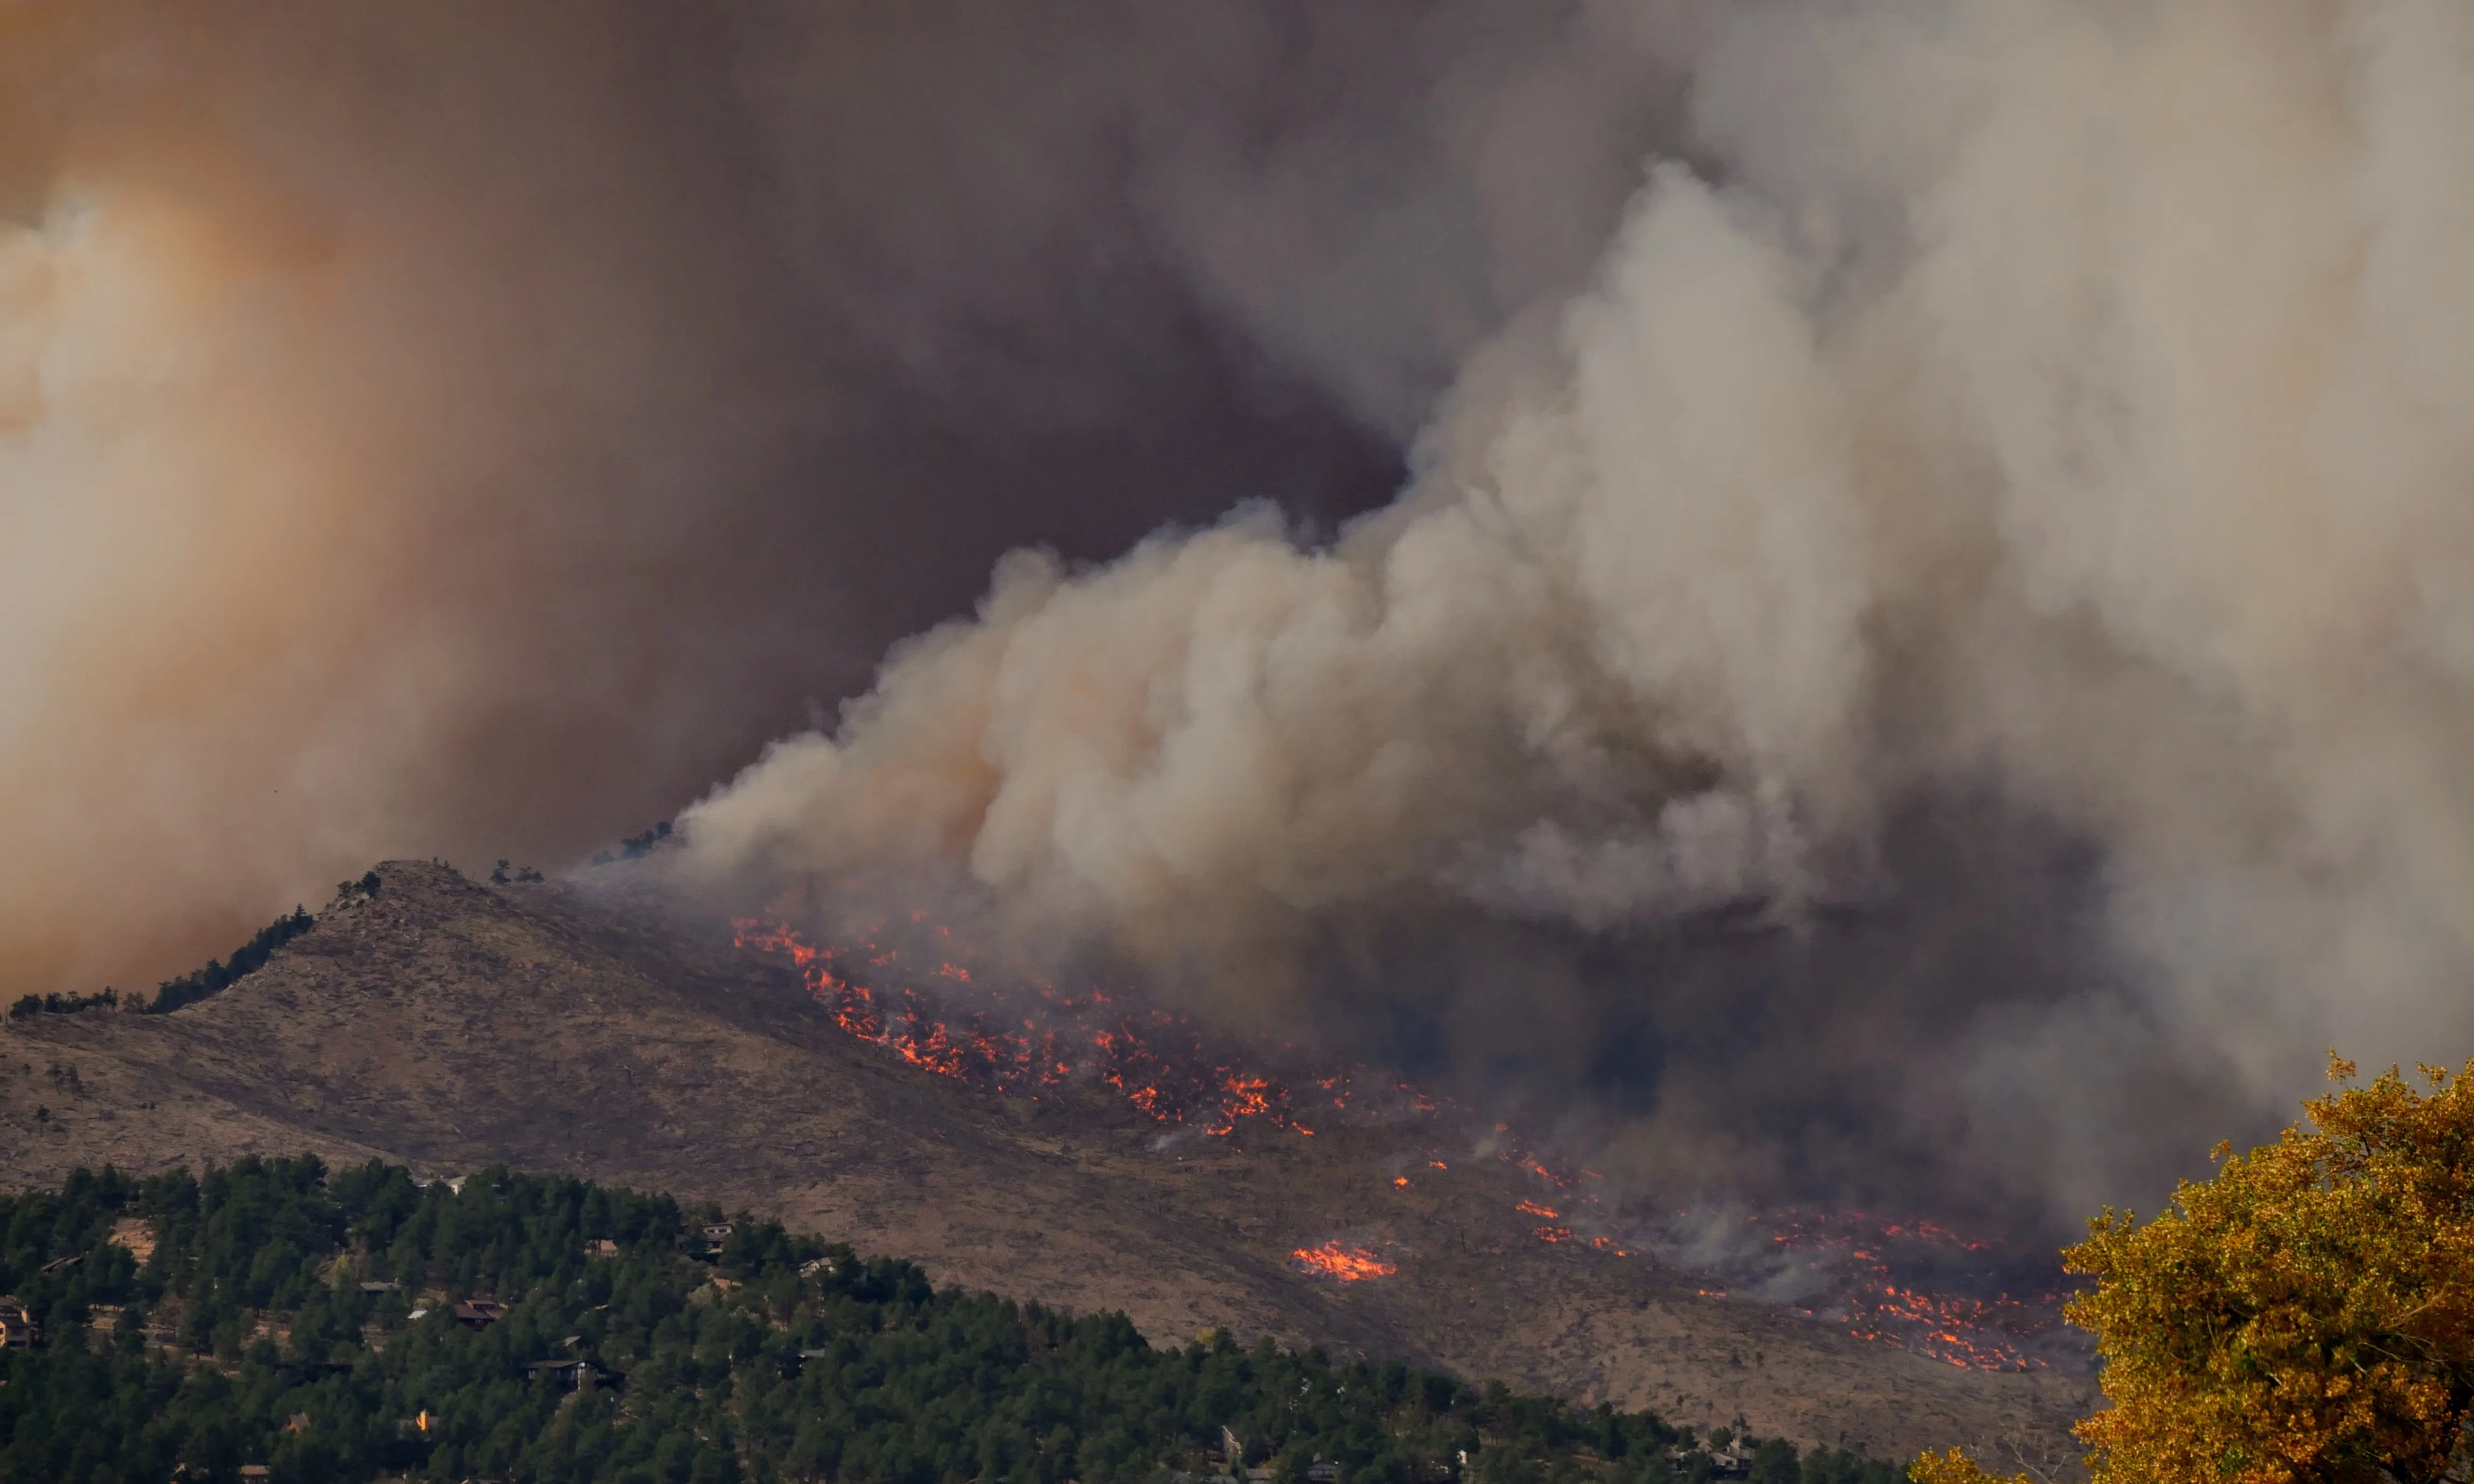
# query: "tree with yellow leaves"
[[2306, 1314]]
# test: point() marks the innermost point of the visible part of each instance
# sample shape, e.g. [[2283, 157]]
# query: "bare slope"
[[451, 1023]]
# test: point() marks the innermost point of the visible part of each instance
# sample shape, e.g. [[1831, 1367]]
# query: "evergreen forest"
[[310, 1325]]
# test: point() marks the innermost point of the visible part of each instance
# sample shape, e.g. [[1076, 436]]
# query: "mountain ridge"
[[451, 1023]]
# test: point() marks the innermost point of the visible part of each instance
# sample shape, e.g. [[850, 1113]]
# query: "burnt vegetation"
[[340, 1326]]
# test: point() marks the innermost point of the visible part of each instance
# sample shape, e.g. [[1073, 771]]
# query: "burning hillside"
[[452, 1024], [1341, 1262], [1914, 1285], [1027, 1036], [1911, 1285]]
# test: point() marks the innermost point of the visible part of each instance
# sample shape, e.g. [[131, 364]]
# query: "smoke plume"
[[471, 431], [1866, 599], [1945, 665]]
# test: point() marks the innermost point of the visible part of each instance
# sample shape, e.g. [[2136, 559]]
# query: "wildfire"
[[1346, 1264], [1905, 1283], [1045, 1038], [1911, 1284]]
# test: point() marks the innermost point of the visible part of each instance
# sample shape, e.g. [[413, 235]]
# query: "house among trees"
[[479, 1313], [1729, 1460], [576, 1375], [18, 1330], [602, 1247], [706, 1241]]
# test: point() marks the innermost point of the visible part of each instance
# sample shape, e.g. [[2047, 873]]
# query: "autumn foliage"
[[2306, 1314]]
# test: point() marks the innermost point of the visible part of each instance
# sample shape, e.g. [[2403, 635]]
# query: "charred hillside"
[[449, 1024]]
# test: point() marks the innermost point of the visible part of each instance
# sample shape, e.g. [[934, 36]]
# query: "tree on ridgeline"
[[635, 847], [30, 1006], [2306, 1314], [218, 976]]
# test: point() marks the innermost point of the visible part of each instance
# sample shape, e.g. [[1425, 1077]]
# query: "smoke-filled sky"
[[1852, 598], [475, 430]]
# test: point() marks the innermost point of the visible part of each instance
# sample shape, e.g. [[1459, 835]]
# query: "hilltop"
[[451, 1023]]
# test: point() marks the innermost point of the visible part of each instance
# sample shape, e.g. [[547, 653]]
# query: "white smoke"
[[2067, 400]]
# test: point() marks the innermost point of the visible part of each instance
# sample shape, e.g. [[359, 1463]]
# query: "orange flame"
[[1162, 1066], [1987, 1334], [1346, 1264], [1158, 1062]]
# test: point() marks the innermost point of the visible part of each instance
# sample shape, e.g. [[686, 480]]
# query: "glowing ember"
[[1909, 1285], [1906, 1284], [1035, 1038], [1347, 1264]]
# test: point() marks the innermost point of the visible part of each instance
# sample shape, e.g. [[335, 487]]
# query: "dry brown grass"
[[449, 1024]]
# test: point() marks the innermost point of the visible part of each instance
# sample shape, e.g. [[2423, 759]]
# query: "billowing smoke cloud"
[[1952, 662], [467, 429]]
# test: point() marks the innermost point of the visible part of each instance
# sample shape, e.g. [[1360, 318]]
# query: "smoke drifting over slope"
[[455, 429], [2000, 518], [1920, 647]]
